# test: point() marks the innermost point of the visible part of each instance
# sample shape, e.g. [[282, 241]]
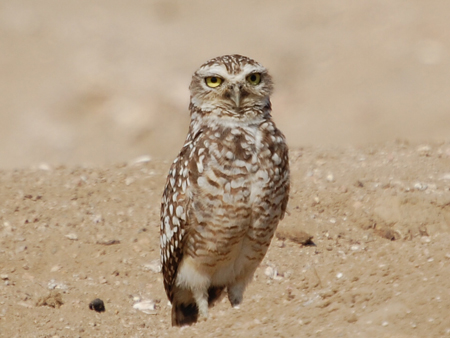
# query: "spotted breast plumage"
[[225, 192]]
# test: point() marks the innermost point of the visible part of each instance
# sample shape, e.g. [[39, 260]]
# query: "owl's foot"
[[201, 298], [236, 294]]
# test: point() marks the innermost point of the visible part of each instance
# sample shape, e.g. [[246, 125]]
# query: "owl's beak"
[[235, 95]]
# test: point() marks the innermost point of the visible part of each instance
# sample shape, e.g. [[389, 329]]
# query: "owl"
[[225, 192]]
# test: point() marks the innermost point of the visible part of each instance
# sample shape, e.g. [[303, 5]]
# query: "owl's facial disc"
[[234, 84]]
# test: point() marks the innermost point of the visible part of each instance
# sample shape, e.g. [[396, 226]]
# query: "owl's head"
[[234, 84]]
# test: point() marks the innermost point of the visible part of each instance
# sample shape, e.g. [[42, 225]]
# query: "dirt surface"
[[379, 217], [104, 81], [85, 85]]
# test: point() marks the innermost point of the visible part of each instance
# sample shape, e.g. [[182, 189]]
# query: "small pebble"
[[97, 305], [21, 248], [55, 268], [339, 275], [146, 306], [425, 239], [270, 272], [424, 150], [53, 284], [385, 323], [97, 218], [129, 180], [420, 186], [352, 318], [154, 266], [44, 167], [141, 159], [72, 236]]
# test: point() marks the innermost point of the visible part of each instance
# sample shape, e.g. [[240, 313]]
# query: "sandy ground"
[[104, 81], [88, 86], [380, 217]]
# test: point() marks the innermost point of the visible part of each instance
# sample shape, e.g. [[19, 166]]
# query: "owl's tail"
[[187, 314]]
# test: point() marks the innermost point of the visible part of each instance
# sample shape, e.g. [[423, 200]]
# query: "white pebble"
[[129, 180], [270, 272], [44, 167], [154, 266], [146, 306], [330, 177], [53, 284], [420, 186], [72, 237], [97, 218], [385, 323], [339, 275], [425, 239], [55, 268], [424, 150], [141, 159]]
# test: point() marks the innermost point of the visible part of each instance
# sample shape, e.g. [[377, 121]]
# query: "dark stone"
[[97, 305]]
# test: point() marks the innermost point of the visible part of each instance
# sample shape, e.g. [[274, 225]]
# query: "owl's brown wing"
[[284, 169], [174, 214], [173, 222]]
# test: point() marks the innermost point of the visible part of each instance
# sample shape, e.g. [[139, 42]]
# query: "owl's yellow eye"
[[254, 79], [213, 81]]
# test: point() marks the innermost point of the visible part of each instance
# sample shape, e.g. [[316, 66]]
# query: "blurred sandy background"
[[97, 82]]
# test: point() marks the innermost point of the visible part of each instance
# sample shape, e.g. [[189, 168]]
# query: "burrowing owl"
[[226, 191]]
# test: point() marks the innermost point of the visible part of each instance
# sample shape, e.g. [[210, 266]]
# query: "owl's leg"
[[201, 298], [237, 288], [236, 293]]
